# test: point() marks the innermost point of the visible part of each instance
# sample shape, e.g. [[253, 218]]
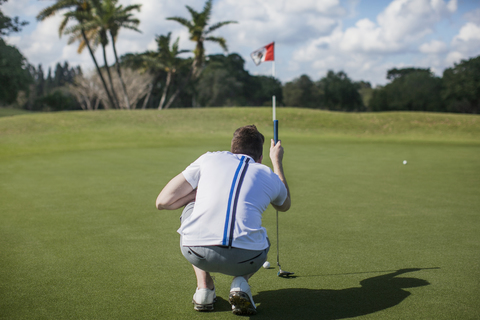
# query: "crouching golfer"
[[225, 195]]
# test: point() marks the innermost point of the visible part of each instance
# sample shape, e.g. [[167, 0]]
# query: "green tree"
[[199, 30], [14, 68], [219, 84], [260, 89], [416, 90], [79, 11], [365, 90], [340, 93], [14, 75], [8, 24], [395, 73], [165, 64], [225, 82], [58, 100], [166, 58], [462, 86], [301, 92]]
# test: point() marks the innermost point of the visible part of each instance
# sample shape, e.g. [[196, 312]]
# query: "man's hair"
[[248, 140]]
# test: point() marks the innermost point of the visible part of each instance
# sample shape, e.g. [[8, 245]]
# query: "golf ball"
[[404, 161], [266, 265]]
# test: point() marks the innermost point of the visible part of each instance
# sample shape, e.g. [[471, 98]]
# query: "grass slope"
[[80, 237]]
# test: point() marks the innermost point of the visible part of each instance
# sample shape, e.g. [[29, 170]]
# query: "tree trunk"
[[98, 69], [117, 64], [198, 60], [147, 98], [165, 90], [97, 102], [172, 98], [180, 88], [110, 76]]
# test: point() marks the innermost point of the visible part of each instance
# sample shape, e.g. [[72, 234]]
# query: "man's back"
[[233, 192]]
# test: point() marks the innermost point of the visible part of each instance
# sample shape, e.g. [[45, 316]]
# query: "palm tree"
[[199, 33], [80, 12], [95, 26], [164, 60], [110, 18], [169, 62]]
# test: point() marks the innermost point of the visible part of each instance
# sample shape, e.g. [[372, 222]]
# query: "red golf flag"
[[264, 54]]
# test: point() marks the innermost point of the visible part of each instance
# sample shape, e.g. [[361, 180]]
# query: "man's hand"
[[276, 155], [276, 152]]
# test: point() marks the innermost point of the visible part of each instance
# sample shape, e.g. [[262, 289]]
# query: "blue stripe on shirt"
[[230, 198], [235, 202]]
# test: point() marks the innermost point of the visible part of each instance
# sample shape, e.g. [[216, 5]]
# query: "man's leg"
[[204, 296], [204, 279]]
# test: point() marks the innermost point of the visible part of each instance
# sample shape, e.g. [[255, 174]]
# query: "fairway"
[[367, 236]]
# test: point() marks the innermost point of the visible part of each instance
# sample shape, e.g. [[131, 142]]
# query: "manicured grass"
[[81, 238], [5, 112]]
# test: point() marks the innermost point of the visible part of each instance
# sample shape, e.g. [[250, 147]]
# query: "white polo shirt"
[[233, 191]]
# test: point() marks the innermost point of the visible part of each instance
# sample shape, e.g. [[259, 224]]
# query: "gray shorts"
[[221, 259]]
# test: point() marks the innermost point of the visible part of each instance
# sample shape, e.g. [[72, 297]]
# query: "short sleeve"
[[192, 172]]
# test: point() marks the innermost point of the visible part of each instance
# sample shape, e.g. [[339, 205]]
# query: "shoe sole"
[[203, 307], [241, 303]]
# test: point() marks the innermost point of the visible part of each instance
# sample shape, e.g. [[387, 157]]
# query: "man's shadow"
[[375, 294]]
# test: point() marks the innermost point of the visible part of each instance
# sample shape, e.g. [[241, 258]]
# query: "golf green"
[[367, 236]]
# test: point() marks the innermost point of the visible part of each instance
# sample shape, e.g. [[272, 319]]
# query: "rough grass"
[[81, 239]]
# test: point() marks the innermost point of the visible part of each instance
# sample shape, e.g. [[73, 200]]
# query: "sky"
[[363, 38]]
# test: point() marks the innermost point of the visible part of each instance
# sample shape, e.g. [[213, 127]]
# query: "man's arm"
[[276, 155], [177, 193]]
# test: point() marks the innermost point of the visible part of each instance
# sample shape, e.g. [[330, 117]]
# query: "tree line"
[[166, 78], [408, 89]]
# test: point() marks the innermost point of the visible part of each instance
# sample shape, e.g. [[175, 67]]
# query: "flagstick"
[[273, 97]]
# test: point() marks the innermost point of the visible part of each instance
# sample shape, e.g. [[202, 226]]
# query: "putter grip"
[[275, 131]]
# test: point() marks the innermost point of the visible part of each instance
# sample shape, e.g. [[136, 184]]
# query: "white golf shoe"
[[241, 297], [203, 299]]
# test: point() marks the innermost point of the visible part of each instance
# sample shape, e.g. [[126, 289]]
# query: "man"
[[225, 195]]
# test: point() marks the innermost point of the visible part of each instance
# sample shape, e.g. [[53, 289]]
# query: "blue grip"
[[275, 131]]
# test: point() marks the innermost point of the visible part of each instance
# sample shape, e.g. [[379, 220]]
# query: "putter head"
[[284, 274]]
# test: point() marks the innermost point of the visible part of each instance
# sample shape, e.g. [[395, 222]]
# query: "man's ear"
[[260, 159]]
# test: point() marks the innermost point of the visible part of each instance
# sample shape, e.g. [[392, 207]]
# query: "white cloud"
[[469, 32], [328, 7], [433, 46], [454, 57], [21, 8], [310, 35], [43, 44], [466, 43], [401, 24], [282, 21], [362, 51]]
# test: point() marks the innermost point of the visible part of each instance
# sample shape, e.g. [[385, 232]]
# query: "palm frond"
[[62, 26], [194, 14], [182, 21], [219, 25], [207, 11], [221, 41], [55, 8]]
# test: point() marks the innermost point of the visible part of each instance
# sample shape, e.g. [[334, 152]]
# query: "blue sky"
[[363, 38]]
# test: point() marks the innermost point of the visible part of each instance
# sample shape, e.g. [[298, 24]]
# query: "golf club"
[[281, 273]]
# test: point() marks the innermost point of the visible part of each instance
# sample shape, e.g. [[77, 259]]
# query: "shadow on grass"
[[375, 294]]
